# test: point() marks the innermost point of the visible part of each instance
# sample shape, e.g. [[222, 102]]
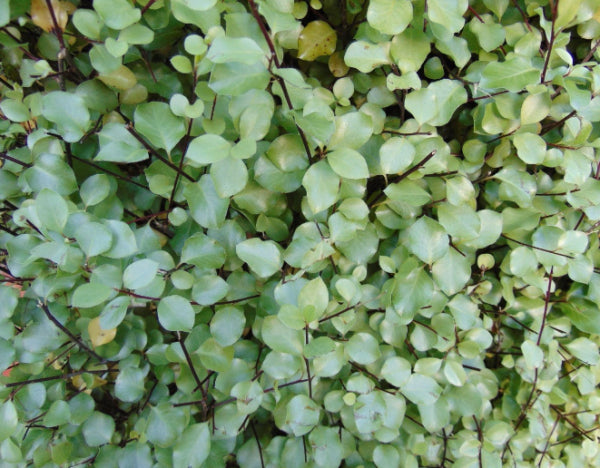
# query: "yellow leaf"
[[316, 39], [122, 78], [41, 16], [337, 66], [98, 335]]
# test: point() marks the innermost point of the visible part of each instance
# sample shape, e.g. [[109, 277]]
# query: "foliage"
[[312, 233]]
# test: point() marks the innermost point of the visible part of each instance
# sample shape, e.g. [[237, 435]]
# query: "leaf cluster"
[[304, 234]]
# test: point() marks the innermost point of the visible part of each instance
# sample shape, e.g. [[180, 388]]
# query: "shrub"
[[319, 233]]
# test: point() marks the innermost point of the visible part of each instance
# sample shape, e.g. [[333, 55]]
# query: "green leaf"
[[90, 295], [117, 14], [412, 289], [517, 186], [451, 272], [52, 210], [535, 108], [203, 251], [390, 16], [175, 313], [531, 148], [363, 348], [348, 163], [396, 370], [584, 314], [386, 456], [114, 312], [352, 130], [124, 243], [448, 14], [280, 338], [327, 446], [585, 350], [207, 149], [215, 357], [129, 385], [118, 145], [206, 206], [98, 429], [4, 12], [263, 257], [319, 347], [314, 294], [193, 446], [322, 186], [227, 325], [165, 424], [436, 104], [229, 49], [9, 418], [427, 239], [249, 396], [396, 155], [317, 38], [88, 23], [234, 78], [58, 414], [68, 112], [209, 289], [421, 389], [229, 176], [93, 238], [365, 56], [140, 273], [51, 172], [95, 189], [302, 415], [513, 75], [156, 122], [409, 192]]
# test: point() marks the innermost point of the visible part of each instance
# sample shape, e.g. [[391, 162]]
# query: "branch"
[[550, 43], [66, 331], [59, 377], [536, 248], [155, 153], [265, 33], [231, 400], [108, 171], [16, 161]]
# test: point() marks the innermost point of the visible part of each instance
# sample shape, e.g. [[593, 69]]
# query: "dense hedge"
[[267, 233]]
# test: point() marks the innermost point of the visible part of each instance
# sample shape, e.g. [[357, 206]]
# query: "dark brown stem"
[[108, 171], [550, 42], [59, 377], [177, 176], [281, 81], [66, 331], [307, 364], [147, 6], [16, 161], [534, 247], [546, 303], [260, 452], [231, 400], [155, 153]]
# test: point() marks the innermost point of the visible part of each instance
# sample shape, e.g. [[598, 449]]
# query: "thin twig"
[[260, 452], [546, 306], [66, 331], [59, 377]]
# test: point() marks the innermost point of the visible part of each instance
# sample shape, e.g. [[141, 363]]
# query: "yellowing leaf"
[[316, 39], [42, 17], [122, 78], [98, 335]]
